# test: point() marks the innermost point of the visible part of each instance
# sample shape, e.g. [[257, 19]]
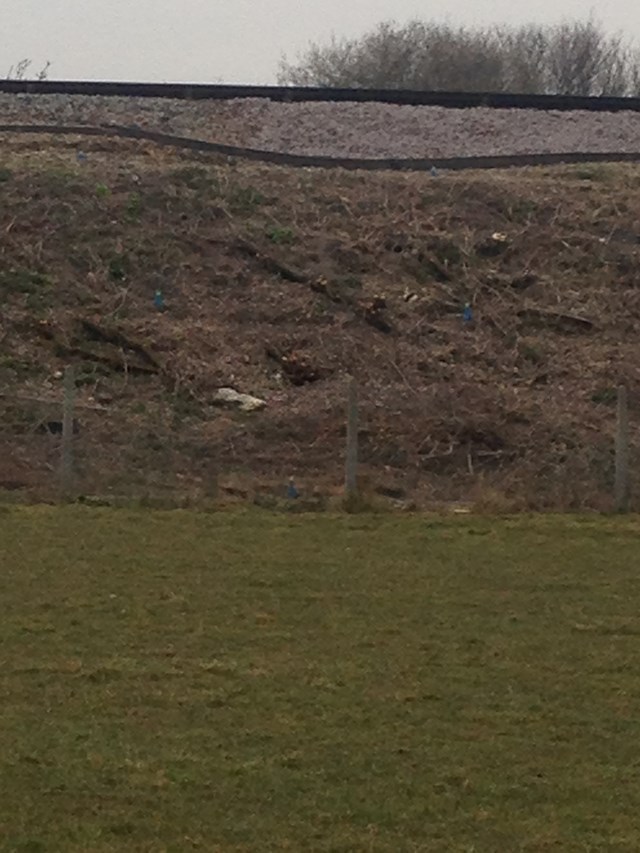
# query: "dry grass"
[[520, 402]]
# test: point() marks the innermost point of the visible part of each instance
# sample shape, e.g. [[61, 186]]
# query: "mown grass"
[[249, 682]]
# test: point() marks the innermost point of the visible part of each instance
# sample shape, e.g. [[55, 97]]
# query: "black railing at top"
[[199, 91]]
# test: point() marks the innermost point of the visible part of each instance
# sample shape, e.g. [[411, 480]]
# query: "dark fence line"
[[200, 91], [306, 162]]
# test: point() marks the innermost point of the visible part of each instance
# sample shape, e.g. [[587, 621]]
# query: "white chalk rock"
[[244, 402]]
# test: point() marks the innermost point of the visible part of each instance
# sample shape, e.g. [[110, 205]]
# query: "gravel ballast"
[[367, 130]]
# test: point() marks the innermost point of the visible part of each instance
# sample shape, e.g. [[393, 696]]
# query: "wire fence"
[[66, 445]]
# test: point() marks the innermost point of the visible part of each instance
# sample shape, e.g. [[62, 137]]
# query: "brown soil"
[[279, 284]]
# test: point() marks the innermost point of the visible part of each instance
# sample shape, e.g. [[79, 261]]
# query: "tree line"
[[570, 58]]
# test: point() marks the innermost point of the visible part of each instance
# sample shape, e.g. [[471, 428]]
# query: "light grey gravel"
[[343, 129]]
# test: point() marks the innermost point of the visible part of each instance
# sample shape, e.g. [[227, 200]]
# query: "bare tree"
[[576, 58], [524, 52], [576, 53]]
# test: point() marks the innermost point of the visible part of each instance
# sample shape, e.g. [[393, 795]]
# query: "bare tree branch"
[[20, 71]]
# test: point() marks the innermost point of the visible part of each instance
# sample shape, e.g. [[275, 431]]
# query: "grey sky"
[[233, 40]]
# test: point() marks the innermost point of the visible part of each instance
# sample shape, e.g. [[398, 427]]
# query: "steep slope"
[[278, 284]]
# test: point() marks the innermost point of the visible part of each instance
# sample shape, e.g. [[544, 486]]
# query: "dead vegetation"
[[278, 284]]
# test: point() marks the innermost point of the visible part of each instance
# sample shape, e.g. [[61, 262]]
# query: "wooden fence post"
[[351, 468], [622, 452], [66, 463]]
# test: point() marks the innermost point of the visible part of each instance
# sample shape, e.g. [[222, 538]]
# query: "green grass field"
[[252, 682]]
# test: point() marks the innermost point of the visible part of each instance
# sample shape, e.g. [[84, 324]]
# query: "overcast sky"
[[235, 41]]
